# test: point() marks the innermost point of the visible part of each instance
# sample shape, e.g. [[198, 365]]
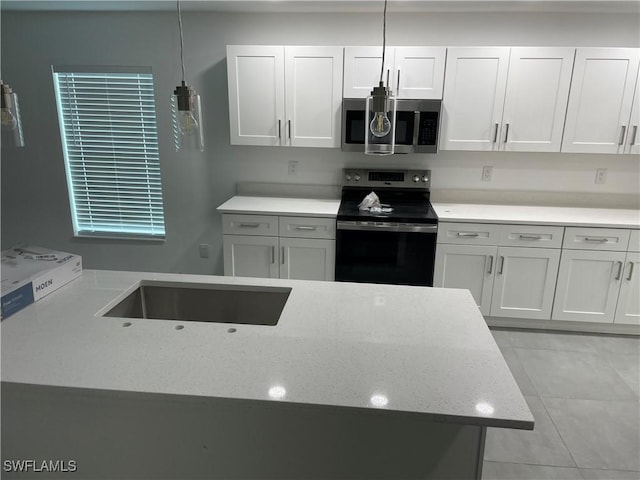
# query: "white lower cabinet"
[[525, 282], [305, 249], [470, 267], [628, 310], [588, 285]]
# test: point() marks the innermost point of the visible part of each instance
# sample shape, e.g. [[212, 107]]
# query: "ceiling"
[[309, 6]]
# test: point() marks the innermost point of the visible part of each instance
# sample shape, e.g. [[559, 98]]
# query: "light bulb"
[[380, 126], [9, 120], [187, 123]]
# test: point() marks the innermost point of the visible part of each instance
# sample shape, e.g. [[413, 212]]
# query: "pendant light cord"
[[384, 38], [181, 38]]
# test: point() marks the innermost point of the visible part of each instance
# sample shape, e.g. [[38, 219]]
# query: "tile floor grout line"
[[558, 430]]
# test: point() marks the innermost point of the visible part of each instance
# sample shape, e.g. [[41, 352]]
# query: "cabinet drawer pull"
[[495, 134], [501, 265], [305, 227], [630, 271], [280, 129], [619, 275], [282, 253], [530, 237], [622, 132], [506, 134], [634, 135], [289, 129], [490, 263], [467, 235], [249, 225], [595, 240], [273, 254], [398, 84]]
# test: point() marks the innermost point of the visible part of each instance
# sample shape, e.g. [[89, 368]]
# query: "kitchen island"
[[354, 381]]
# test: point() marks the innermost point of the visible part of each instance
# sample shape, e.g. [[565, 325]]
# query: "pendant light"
[[185, 108], [10, 118], [380, 127]]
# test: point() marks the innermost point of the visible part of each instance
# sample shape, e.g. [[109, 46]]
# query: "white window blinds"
[[110, 143]]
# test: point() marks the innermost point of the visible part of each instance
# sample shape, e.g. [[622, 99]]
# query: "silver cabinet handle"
[[289, 121], [398, 84], [468, 235], [495, 134], [506, 133], [619, 275], [530, 237], [595, 240], [632, 141], [630, 271], [249, 225], [282, 252], [273, 254], [490, 263], [622, 132], [501, 265], [305, 227], [388, 78], [280, 129]]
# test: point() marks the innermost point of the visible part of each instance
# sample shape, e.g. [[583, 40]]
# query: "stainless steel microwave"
[[417, 125]]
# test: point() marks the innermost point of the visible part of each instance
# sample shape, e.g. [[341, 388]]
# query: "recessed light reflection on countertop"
[[485, 408], [277, 392], [379, 400]]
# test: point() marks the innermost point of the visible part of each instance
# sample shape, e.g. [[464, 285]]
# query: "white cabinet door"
[[525, 282], [256, 94], [632, 144], [588, 285], [362, 70], [470, 267], [536, 99], [473, 98], [419, 72], [313, 89], [628, 309], [307, 259], [251, 256], [600, 100]]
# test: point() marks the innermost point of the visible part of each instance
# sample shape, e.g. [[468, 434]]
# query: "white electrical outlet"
[[293, 167], [204, 250], [601, 176], [487, 172]]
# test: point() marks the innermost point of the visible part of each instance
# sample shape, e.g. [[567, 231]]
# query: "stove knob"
[[416, 178], [425, 179], [356, 177], [348, 177]]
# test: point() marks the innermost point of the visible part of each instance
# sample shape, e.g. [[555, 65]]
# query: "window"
[[110, 142]]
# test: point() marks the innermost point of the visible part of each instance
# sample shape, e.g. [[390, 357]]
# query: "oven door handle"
[[387, 227]]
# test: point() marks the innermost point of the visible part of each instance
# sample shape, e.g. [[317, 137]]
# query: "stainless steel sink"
[[193, 302]]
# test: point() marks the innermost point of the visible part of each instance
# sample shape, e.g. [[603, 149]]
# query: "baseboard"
[[558, 325]]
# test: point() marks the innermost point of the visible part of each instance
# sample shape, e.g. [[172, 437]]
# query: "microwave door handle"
[[416, 127]]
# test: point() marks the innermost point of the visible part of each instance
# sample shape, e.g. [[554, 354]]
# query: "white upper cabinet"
[[256, 94], [632, 145], [411, 72], [511, 99], [285, 96], [473, 98], [536, 99], [600, 101]]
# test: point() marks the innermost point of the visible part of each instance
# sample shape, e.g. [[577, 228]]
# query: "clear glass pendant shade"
[[187, 119], [10, 122], [380, 127]]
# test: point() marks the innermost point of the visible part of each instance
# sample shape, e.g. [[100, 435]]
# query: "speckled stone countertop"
[[309, 207], [395, 349]]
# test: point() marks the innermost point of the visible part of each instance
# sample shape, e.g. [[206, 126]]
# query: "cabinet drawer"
[[468, 233], [233, 224], [307, 227], [634, 241], [531, 236], [596, 239]]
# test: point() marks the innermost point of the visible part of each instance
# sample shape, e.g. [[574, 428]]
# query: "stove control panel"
[[387, 178]]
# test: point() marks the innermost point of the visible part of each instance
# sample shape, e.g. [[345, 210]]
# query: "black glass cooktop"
[[407, 206]]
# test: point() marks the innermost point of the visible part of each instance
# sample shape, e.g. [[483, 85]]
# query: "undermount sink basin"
[[194, 302]]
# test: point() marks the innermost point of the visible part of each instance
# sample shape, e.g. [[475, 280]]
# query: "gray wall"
[[35, 206]]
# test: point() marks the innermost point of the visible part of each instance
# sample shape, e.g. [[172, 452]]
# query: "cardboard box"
[[30, 273]]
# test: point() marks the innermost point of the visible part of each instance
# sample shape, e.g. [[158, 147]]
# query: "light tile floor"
[[584, 392]]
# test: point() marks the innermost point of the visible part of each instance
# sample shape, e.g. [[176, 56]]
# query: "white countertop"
[[519, 214], [308, 207], [448, 212], [428, 351]]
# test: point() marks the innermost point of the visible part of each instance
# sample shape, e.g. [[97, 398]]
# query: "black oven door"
[[400, 258]]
